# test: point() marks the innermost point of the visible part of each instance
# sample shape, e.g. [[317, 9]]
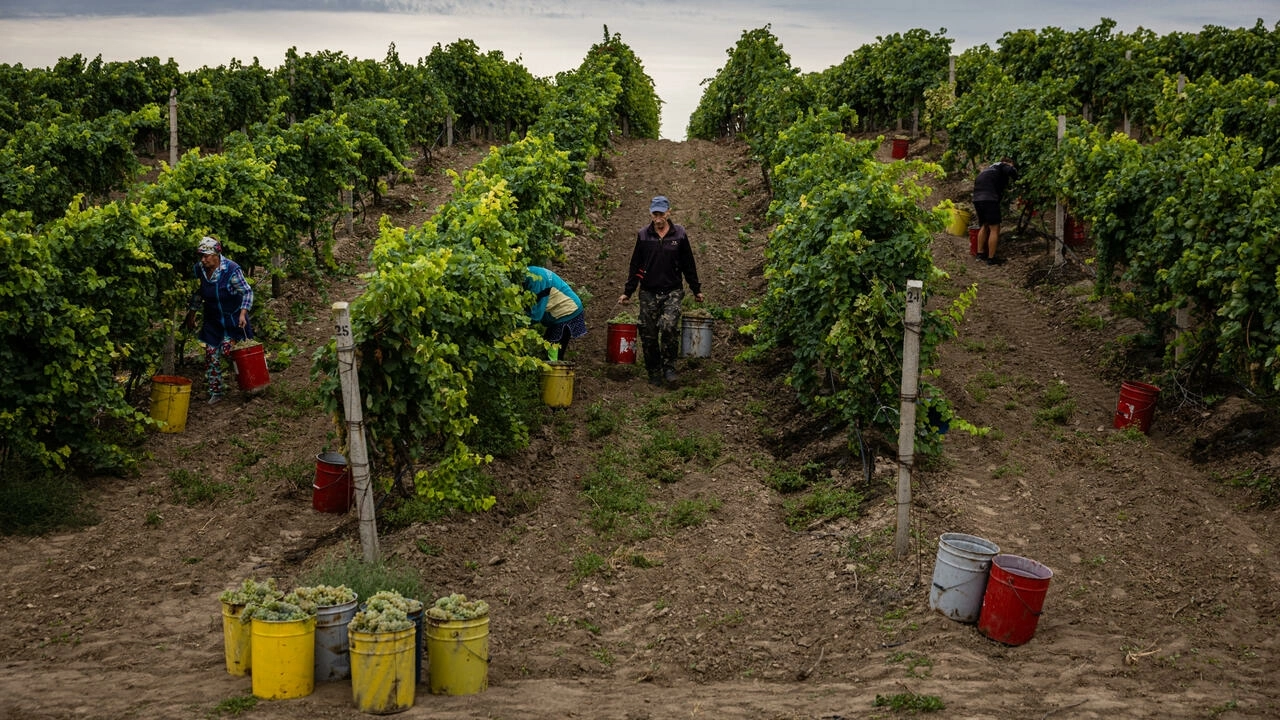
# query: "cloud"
[[180, 8]]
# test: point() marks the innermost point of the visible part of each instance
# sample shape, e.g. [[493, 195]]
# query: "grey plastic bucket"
[[960, 575], [333, 656], [695, 336]]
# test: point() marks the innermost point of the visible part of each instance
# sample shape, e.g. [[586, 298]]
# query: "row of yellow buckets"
[[286, 658]]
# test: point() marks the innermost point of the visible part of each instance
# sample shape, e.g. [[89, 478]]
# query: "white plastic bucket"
[[960, 575], [695, 336]]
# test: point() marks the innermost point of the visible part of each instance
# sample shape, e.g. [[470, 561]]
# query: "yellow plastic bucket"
[[284, 658], [170, 397], [236, 640], [557, 384], [383, 672], [458, 655], [959, 224]]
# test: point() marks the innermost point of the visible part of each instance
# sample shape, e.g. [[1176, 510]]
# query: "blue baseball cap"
[[659, 204]]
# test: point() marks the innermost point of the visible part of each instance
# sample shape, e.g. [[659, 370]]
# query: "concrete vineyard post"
[[352, 408], [907, 413]]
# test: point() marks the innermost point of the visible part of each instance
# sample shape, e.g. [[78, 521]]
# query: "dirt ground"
[[1163, 603]]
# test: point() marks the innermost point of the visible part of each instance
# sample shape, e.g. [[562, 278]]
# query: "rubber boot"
[[653, 364]]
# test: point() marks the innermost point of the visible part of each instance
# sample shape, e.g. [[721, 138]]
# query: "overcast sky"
[[680, 42]]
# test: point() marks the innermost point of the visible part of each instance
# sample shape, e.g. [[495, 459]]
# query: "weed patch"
[[36, 503], [823, 503]]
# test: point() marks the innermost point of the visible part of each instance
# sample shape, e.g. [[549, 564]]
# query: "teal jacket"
[[556, 302]]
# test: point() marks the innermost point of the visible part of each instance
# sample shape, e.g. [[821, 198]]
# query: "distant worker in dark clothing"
[[988, 198], [661, 263], [556, 306]]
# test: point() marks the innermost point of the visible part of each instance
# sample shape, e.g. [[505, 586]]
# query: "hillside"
[[1164, 601]]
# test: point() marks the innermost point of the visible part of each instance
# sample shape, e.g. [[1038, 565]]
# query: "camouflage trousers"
[[660, 328]]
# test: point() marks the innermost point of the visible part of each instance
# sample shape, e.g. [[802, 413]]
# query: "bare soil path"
[[1166, 588]]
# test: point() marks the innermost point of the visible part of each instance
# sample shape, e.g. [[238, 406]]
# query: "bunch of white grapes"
[[252, 592], [275, 611], [321, 596], [385, 611], [457, 607]]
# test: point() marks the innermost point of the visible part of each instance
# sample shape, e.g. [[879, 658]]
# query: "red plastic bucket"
[[1136, 405], [973, 241], [251, 369], [1074, 233], [332, 490], [1014, 599], [899, 148], [622, 343]]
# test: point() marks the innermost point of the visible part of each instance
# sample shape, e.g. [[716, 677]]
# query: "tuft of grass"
[[684, 399], [36, 502], [586, 565], [691, 512], [403, 512], [1009, 469], [1262, 484], [364, 578], [910, 702], [788, 480], [1089, 321], [194, 489], [823, 502], [616, 498], [690, 446], [914, 663], [604, 419], [865, 549], [235, 705], [295, 402], [980, 387], [521, 502], [1056, 405], [298, 474]]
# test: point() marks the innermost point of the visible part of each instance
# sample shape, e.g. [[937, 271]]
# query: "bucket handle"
[[1014, 588], [953, 587], [329, 484]]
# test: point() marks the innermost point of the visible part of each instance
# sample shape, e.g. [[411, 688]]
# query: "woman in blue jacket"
[[226, 299], [556, 306]]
